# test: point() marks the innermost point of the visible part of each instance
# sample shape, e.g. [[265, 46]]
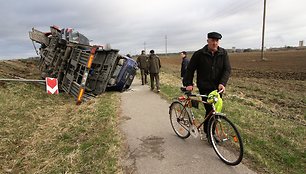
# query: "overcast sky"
[[127, 24]]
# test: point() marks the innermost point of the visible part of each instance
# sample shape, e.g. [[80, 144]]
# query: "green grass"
[[43, 133], [270, 118], [277, 143]]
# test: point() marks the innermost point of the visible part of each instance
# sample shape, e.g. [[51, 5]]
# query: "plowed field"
[[278, 64]]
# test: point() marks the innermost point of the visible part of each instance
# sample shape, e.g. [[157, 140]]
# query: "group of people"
[[211, 64], [149, 65]]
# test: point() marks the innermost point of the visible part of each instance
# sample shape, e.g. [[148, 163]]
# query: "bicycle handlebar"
[[189, 94]]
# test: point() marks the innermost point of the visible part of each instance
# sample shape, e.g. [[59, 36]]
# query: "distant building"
[[239, 50], [301, 43], [247, 50], [233, 49]]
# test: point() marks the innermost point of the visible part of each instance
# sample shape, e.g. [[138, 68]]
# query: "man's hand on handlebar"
[[221, 88], [189, 88]]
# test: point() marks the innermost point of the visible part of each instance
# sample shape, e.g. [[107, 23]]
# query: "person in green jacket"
[[142, 62], [154, 68]]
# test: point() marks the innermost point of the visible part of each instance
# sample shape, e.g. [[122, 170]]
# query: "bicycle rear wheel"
[[226, 140], [180, 119]]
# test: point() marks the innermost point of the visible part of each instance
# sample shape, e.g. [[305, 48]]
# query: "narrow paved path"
[[152, 145]]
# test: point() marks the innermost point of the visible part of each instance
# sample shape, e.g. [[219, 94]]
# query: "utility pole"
[[144, 46], [263, 32], [166, 44]]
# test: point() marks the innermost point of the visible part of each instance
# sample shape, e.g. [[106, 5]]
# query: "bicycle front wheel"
[[180, 119], [226, 140]]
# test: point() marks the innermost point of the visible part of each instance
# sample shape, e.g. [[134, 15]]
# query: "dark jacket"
[[142, 61], [154, 63], [211, 70], [184, 65]]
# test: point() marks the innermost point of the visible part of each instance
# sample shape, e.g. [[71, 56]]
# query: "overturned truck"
[[82, 70]]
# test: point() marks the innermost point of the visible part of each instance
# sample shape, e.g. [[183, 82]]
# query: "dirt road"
[[152, 145]]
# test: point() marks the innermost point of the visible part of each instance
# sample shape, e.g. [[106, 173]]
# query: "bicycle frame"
[[187, 104]]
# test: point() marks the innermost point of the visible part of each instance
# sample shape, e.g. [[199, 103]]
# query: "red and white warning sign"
[[51, 85]]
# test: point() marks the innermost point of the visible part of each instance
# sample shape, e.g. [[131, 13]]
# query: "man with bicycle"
[[213, 69]]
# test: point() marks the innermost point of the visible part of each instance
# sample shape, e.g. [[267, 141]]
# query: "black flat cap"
[[214, 35]]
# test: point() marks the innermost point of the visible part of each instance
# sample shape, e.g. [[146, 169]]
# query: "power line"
[[235, 8]]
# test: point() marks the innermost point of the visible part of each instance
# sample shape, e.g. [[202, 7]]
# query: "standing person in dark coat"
[[154, 67], [213, 69], [142, 62], [184, 64]]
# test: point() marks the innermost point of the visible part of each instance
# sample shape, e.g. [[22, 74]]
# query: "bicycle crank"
[[194, 131]]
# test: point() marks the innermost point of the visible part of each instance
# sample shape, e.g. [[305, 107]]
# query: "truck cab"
[[69, 34], [123, 74]]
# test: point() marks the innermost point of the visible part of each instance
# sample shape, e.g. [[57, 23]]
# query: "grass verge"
[[43, 133]]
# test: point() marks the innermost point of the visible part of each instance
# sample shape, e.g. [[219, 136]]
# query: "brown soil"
[[277, 64], [21, 68]]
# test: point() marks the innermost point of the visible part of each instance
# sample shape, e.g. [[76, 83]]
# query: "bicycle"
[[222, 134]]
